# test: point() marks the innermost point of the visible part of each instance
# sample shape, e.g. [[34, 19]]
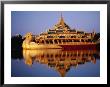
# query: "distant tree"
[[16, 42]]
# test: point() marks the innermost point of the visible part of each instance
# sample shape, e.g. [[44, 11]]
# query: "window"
[[49, 36], [61, 36]]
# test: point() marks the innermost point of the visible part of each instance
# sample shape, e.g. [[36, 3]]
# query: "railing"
[[71, 43]]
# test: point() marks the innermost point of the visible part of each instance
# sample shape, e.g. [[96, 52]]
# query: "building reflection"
[[60, 60]]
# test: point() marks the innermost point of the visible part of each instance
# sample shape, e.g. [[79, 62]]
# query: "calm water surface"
[[55, 63]]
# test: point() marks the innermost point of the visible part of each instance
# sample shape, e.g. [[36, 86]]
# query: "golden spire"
[[61, 18], [61, 22]]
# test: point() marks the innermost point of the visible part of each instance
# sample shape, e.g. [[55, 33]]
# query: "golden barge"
[[61, 36]]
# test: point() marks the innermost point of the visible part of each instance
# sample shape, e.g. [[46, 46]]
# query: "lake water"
[[55, 63]]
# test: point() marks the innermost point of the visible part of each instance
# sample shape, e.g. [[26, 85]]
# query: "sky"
[[37, 22]]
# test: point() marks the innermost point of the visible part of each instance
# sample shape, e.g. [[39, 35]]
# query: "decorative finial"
[[61, 15], [61, 22]]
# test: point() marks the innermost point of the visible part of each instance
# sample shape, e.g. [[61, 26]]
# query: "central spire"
[[61, 22]]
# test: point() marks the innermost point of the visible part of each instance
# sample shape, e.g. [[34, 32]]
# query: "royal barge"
[[61, 36]]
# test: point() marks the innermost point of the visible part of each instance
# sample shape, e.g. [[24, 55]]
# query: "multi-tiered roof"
[[62, 27]]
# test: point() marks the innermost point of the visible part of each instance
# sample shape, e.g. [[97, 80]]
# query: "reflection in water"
[[16, 54], [60, 60]]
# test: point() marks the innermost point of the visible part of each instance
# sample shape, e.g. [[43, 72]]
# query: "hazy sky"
[[40, 21]]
